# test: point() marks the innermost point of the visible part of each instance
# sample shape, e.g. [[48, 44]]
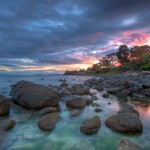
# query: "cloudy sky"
[[48, 36]]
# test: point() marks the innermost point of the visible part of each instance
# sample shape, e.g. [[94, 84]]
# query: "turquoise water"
[[66, 136]]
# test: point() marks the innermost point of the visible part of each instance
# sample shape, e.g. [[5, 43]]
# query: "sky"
[[50, 36]]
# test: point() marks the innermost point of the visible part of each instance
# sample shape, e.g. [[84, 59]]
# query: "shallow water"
[[66, 135]]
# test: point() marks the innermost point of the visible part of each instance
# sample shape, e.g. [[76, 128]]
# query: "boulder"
[[123, 93], [145, 82], [78, 86], [100, 87], [64, 84], [10, 124], [90, 126], [48, 122], [34, 96], [6, 124], [86, 90], [89, 101], [78, 102], [4, 106], [70, 89], [126, 120], [125, 144], [65, 92], [113, 90], [79, 91]]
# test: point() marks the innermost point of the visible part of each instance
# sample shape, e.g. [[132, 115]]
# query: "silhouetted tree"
[[123, 54]]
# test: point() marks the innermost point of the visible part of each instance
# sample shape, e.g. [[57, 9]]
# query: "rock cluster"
[[75, 89], [136, 85]]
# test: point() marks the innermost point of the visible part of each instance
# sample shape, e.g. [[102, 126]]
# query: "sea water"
[[67, 136]]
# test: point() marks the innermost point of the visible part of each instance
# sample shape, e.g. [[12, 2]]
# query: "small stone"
[[98, 110], [47, 110], [106, 95], [94, 97], [95, 105]]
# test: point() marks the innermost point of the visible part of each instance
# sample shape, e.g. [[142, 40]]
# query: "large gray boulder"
[[126, 120], [125, 144], [4, 106], [34, 96]]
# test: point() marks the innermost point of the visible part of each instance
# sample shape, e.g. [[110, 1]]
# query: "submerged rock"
[[47, 110], [105, 95], [34, 96], [10, 124], [7, 124], [48, 122], [126, 120], [4, 106], [95, 105], [94, 97], [125, 144], [90, 126], [98, 110]]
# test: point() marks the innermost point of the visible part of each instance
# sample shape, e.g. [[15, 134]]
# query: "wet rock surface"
[[126, 120], [78, 102], [125, 144], [4, 106], [90, 126], [6, 124], [48, 122], [34, 96], [47, 110]]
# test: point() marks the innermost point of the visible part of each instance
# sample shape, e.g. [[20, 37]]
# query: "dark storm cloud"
[[54, 31]]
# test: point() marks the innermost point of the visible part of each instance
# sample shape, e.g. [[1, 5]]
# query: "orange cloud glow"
[[5, 69]]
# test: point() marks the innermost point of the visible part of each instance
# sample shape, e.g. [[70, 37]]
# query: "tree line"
[[125, 59]]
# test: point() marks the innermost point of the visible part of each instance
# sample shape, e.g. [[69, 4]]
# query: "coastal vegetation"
[[125, 59]]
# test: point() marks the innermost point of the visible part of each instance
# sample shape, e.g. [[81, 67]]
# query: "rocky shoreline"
[[44, 102]]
